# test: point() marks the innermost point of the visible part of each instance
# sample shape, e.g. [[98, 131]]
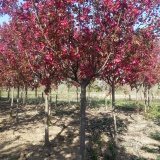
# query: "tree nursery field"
[[137, 135], [84, 46]]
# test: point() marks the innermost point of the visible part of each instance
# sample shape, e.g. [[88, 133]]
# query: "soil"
[[136, 138]]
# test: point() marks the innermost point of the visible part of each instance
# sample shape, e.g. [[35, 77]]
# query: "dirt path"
[[136, 136]]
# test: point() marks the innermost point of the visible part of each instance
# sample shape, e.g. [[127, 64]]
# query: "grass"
[[156, 136], [154, 112]]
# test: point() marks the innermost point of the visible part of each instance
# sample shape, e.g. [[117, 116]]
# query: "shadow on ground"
[[100, 137]]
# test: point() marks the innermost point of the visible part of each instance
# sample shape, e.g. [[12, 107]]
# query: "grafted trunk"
[[46, 121], [83, 122]]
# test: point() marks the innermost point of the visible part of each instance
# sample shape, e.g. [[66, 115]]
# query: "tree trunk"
[[46, 121], [42, 97], [26, 94], [136, 94], [145, 99], [17, 107], [130, 97], [83, 122], [115, 126], [56, 97], [21, 98], [137, 105], [50, 102], [77, 94], [12, 98], [114, 113], [89, 96], [113, 95], [0, 93], [149, 100], [68, 94], [9, 94], [36, 96]]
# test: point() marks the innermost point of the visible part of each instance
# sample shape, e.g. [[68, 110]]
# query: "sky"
[[4, 19]]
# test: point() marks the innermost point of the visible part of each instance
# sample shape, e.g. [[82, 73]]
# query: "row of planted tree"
[[49, 41]]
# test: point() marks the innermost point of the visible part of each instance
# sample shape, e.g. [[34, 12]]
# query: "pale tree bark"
[[8, 93], [145, 99], [137, 105], [36, 97], [68, 93], [89, 94], [50, 102], [26, 94], [17, 107], [113, 95], [149, 99], [56, 97], [114, 112], [46, 121], [12, 101]]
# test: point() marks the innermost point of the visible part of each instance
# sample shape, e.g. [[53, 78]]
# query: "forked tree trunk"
[[83, 122], [46, 121], [12, 98], [17, 107]]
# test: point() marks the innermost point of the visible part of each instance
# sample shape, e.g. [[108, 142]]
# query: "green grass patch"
[[156, 136], [154, 111]]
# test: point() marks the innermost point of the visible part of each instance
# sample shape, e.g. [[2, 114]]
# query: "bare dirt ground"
[[136, 137]]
